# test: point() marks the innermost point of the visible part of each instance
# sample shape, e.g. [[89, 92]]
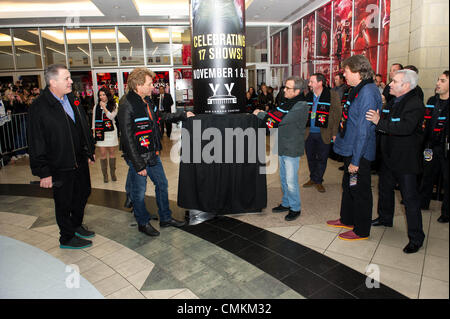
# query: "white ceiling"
[[124, 11]]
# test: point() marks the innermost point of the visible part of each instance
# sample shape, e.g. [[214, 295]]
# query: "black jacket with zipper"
[[56, 143], [134, 118]]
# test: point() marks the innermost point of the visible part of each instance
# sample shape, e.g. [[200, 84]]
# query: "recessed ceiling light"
[[162, 8], [11, 9]]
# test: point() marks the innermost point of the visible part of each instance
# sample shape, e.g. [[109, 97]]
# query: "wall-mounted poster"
[[342, 29], [324, 67], [323, 32], [308, 37], [308, 40], [365, 29], [284, 46], [385, 8], [276, 49], [296, 42]]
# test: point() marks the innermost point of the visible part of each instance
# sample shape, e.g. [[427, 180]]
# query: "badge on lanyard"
[[428, 154]]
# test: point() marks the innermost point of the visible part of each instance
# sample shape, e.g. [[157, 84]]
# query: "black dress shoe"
[[443, 219], [148, 230], [172, 222], [279, 209], [378, 222], [128, 203], [411, 248], [292, 215]]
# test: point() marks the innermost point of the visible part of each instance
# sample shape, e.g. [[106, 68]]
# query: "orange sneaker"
[[350, 235], [337, 223]]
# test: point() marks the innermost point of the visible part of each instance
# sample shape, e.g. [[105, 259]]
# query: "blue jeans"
[[289, 182], [138, 187]]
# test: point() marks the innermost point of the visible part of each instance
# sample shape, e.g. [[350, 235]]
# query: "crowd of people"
[[372, 126], [15, 99], [360, 121]]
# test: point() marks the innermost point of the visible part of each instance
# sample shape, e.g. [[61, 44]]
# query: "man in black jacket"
[[141, 144], [400, 142], [60, 147], [435, 145], [164, 103]]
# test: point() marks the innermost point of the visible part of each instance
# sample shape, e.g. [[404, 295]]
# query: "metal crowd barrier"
[[13, 135]]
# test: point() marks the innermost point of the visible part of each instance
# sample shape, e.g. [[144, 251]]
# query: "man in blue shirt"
[[356, 143], [61, 146], [322, 127]]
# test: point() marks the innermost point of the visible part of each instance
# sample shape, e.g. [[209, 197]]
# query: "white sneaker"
[[14, 158], [26, 155]]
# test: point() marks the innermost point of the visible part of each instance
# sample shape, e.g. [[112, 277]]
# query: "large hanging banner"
[[323, 33], [365, 30], [218, 55], [308, 46]]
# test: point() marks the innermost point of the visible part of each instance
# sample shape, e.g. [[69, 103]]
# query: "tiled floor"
[[243, 256]]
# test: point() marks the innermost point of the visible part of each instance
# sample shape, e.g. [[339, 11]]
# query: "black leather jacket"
[[139, 129]]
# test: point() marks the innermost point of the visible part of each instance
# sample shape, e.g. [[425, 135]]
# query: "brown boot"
[[112, 167], [104, 165], [309, 183]]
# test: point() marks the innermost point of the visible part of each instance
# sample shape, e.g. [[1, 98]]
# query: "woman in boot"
[[105, 131]]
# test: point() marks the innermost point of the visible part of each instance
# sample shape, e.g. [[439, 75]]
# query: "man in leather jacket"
[[141, 144]]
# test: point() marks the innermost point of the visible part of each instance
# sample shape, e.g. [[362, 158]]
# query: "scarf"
[[347, 100], [323, 108], [274, 118]]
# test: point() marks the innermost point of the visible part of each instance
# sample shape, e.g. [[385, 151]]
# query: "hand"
[[255, 112], [352, 169], [46, 182], [190, 114], [373, 116], [334, 139], [143, 172], [90, 161]]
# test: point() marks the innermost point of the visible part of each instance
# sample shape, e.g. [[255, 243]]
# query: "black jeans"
[[411, 199], [168, 127], [432, 170], [70, 194], [317, 153], [357, 201]]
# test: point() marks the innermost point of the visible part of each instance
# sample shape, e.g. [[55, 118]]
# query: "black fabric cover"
[[222, 188]]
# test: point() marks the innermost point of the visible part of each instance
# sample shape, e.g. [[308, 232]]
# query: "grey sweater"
[[291, 131]]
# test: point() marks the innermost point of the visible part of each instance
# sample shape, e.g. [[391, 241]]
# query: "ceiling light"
[[5, 41], [107, 50], [131, 51], [28, 51], [81, 36], [154, 51], [48, 9], [6, 53], [50, 48], [162, 35], [82, 50], [162, 8]]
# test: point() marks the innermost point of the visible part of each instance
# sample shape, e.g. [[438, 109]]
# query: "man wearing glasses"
[[290, 117]]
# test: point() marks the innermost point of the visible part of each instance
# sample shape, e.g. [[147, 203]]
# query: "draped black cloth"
[[228, 185]]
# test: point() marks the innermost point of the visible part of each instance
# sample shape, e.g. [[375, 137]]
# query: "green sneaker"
[[76, 243]]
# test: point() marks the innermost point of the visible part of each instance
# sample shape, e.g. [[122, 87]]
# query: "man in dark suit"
[[387, 96], [400, 144], [164, 102]]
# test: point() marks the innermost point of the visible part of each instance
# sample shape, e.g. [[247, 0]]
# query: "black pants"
[[317, 153], [168, 127], [432, 170], [71, 194], [411, 200], [357, 201]]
